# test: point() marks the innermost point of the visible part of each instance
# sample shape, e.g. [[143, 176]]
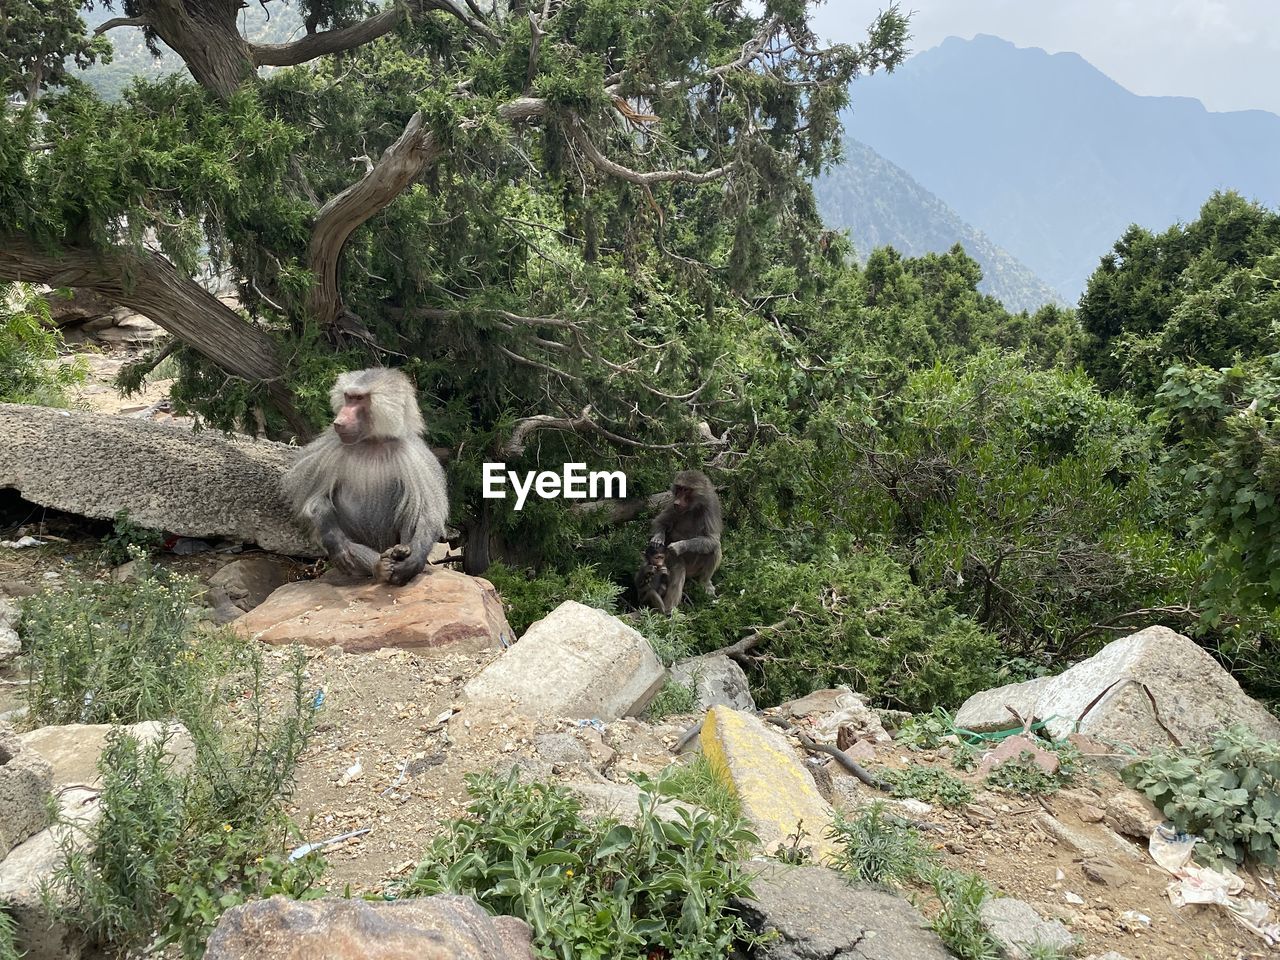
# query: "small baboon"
[[689, 529], [370, 488], [653, 578]]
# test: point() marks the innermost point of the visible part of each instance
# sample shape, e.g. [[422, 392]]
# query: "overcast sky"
[[1225, 53]]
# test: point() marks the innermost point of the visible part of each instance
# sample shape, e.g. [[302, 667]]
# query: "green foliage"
[[530, 598], [959, 922], [174, 848], [593, 889], [29, 349], [1024, 776], [1200, 293], [929, 784], [127, 536], [695, 781], [108, 652], [876, 849], [8, 945], [925, 731], [1227, 793], [674, 698]]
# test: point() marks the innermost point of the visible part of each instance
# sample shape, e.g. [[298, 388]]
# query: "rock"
[[776, 792], [437, 610], [28, 870], [443, 927], [815, 913], [193, 484], [578, 751], [10, 645], [1016, 925], [74, 749], [1105, 871], [717, 680], [620, 801], [1012, 748], [1109, 955], [1136, 691], [995, 709], [1090, 814], [82, 306], [576, 662], [1131, 814], [244, 584], [26, 779], [827, 716]]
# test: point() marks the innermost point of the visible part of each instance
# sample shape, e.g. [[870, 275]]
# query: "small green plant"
[[1044, 951], [925, 731], [930, 785], [674, 698], [959, 921], [1227, 793], [127, 536], [528, 598], [875, 849], [8, 934], [1023, 775], [29, 348], [594, 889], [106, 652], [694, 781]]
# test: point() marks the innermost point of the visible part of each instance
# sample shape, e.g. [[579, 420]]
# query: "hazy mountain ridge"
[[1052, 159], [881, 205]]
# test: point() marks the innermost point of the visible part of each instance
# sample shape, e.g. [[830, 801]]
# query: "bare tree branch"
[[614, 169], [120, 22], [519, 439]]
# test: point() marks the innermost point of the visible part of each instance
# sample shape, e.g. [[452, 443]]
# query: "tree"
[[542, 199]]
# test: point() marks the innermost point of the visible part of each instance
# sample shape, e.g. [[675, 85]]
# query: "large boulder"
[[1021, 931], [1146, 690], [439, 610], [814, 912], [203, 484], [443, 927], [74, 749], [575, 662], [244, 584]]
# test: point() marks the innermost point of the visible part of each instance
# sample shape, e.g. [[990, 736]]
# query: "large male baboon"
[[688, 529], [370, 488]]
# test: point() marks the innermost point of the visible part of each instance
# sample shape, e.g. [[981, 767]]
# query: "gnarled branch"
[[614, 169], [120, 22]]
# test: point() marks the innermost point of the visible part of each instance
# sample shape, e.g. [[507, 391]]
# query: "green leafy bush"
[[107, 652], [1226, 793], [594, 889], [930, 785], [527, 598], [674, 698], [126, 535], [29, 348], [877, 849]]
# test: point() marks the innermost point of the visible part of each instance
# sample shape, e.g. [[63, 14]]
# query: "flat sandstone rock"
[[437, 610]]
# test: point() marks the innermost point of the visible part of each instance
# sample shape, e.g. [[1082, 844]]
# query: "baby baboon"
[[689, 528], [653, 578], [370, 488]]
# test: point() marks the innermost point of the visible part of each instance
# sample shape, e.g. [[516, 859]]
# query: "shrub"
[[674, 698], [1023, 775], [594, 889], [879, 850], [529, 598], [29, 347], [8, 946], [106, 652], [1226, 793], [695, 781]]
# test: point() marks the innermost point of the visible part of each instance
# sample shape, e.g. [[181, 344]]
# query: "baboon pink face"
[[352, 421]]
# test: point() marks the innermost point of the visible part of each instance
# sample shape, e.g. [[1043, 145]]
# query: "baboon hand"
[[676, 549], [394, 565]]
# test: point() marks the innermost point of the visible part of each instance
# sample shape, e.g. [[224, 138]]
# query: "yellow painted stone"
[[776, 792]]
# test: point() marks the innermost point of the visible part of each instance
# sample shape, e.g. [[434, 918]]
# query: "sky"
[[1225, 53]]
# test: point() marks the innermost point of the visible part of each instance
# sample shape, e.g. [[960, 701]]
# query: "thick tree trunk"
[[205, 35], [151, 285]]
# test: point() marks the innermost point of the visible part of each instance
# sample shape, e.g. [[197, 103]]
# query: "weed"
[[875, 849], [594, 889], [696, 782], [959, 922], [930, 785], [674, 698], [8, 945], [1024, 776], [1226, 793], [127, 536], [925, 731]]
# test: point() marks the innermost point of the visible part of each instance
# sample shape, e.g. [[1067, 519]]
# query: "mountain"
[[1052, 159], [881, 205]]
